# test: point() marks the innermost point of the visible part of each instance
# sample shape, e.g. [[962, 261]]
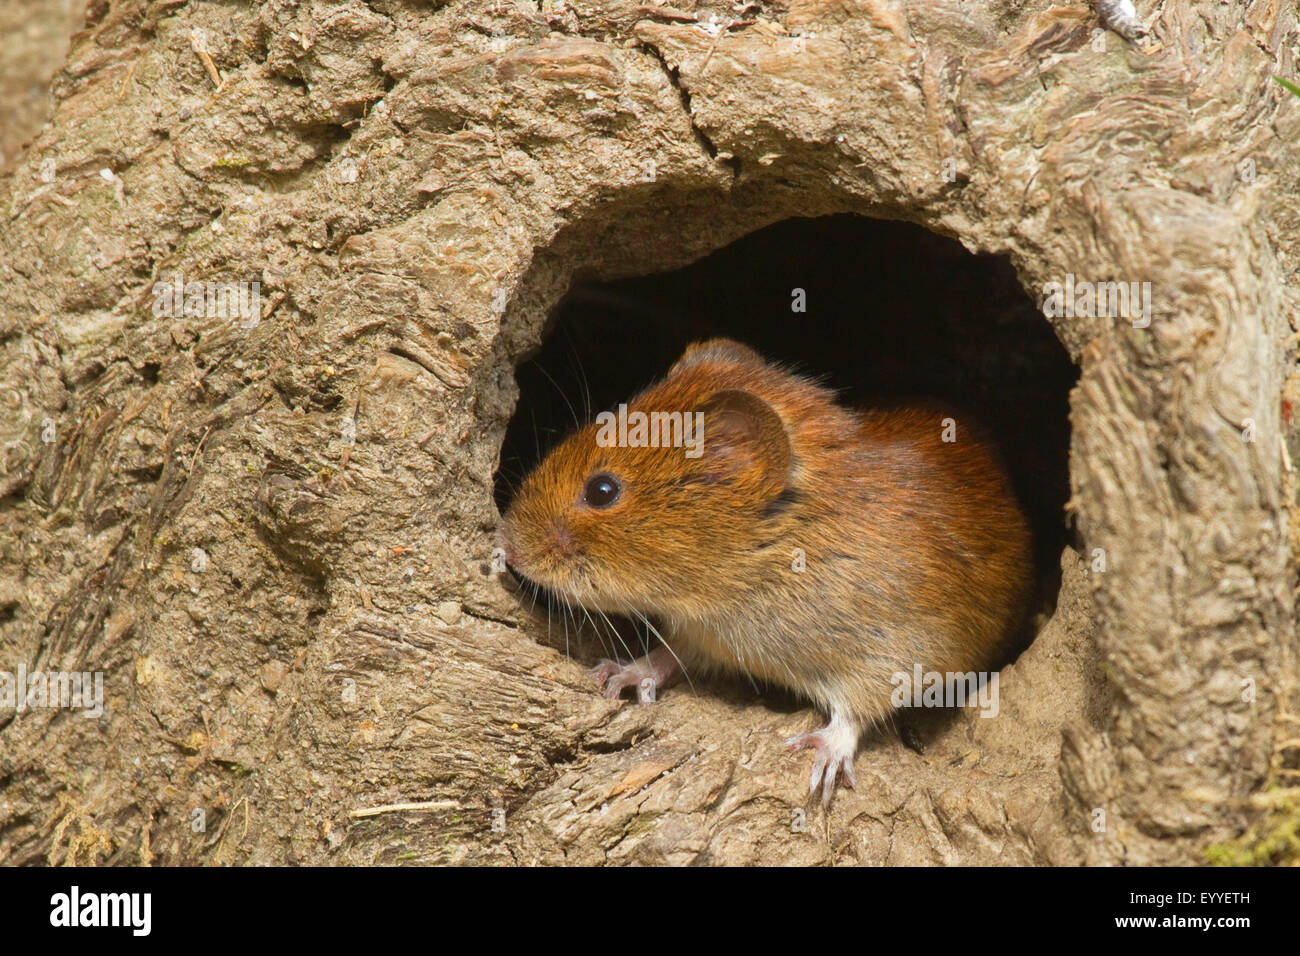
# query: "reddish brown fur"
[[916, 550]]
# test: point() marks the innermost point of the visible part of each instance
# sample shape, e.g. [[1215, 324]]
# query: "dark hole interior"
[[892, 311]]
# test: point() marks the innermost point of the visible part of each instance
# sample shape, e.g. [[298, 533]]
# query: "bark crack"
[[706, 143]]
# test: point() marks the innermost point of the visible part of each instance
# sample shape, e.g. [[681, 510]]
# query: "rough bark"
[[415, 185], [33, 43]]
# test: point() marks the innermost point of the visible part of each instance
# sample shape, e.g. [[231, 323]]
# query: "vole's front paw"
[[835, 744], [647, 674]]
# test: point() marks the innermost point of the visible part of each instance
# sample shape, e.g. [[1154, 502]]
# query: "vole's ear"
[[745, 435], [716, 350]]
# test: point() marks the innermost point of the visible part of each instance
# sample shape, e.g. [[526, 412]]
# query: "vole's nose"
[[560, 541]]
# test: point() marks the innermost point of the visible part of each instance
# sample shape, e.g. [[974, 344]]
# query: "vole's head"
[[644, 508]]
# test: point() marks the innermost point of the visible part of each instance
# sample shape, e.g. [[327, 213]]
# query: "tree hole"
[[880, 310]]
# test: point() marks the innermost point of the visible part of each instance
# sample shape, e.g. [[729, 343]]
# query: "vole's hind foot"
[[835, 745], [647, 674]]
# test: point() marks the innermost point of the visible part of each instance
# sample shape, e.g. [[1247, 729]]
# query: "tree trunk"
[[272, 534]]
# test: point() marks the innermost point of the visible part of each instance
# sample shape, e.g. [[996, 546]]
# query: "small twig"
[[1266, 800], [722, 30], [198, 449], [403, 807], [199, 42], [221, 837]]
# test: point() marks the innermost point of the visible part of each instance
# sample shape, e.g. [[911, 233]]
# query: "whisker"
[[572, 411], [575, 359], [614, 631], [645, 620]]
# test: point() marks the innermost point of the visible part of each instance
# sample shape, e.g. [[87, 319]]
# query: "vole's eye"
[[602, 490]]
